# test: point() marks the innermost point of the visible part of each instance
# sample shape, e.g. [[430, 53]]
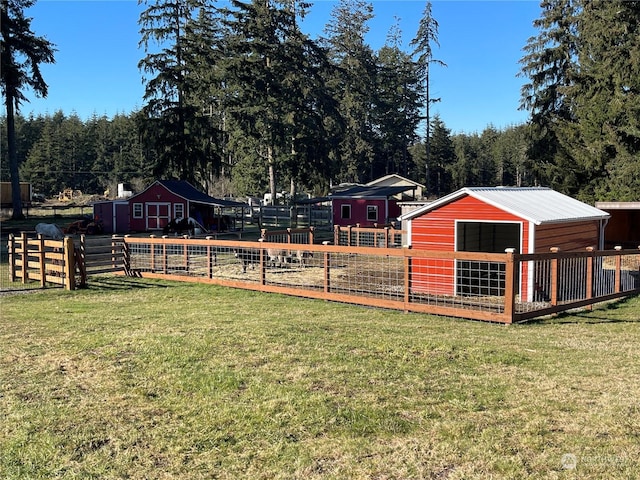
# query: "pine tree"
[[354, 84], [396, 108], [426, 36], [21, 56], [175, 125]]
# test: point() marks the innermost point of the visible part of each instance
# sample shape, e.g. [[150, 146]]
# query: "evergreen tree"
[[397, 107], [426, 36], [22, 52], [175, 125], [354, 84]]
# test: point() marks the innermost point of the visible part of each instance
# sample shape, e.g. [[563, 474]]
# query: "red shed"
[[490, 220], [114, 215], [164, 200], [368, 205]]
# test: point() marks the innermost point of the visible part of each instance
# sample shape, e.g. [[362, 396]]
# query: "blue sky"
[[480, 41]]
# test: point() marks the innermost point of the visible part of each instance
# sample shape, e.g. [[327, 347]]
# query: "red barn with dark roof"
[[165, 200]]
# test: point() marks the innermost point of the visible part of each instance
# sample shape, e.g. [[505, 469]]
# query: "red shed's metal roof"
[[535, 204]]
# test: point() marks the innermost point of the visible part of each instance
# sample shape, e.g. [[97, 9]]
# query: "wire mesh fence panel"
[[368, 275], [462, 284], [466, 284], [630, 272]]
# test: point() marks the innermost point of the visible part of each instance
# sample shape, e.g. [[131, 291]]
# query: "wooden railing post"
[[407, 277], [618, 281], [554, 277], [165, 255], [152, 254], [43, 261], [510, 285], [589, 282], [327, 269], [336, 234], [311, 234], [11, 247], [69, 264], [25, 256]]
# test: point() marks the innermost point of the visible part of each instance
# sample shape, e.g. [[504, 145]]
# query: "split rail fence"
[[502, 288]]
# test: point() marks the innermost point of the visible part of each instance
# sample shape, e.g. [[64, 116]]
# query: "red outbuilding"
[[491, 220], [166, 200], [368, 205]]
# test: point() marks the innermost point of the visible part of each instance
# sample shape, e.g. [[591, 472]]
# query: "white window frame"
[[372, 209], [178, 207], [137, 210], [345, 207]]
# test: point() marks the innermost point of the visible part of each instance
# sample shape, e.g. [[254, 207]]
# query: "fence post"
[[126, 256], [554, 277], [69, 264], [25, 256], [165, 258], [407, 277], [327, 268], [43, 270], [618, 281], [11, 247], [209, 258], [152, 254], [510, 285], [589, 283], [289, 235], [311, 230]]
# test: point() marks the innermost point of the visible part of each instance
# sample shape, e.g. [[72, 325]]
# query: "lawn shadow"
[[614, 311], [113, 282]]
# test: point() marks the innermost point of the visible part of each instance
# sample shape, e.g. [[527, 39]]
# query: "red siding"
[[567, 236], [359, 211], [155, 194], [435, 230]]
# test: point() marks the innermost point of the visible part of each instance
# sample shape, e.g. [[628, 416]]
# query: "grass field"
[[144, 379]]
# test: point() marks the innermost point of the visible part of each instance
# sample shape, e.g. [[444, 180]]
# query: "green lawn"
[[142, 379]]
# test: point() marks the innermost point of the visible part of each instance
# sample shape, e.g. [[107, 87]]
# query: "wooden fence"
[[67, 262], [42, 260], [376, 236], [502, 288]]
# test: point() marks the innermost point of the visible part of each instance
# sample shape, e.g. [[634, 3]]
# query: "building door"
[[158, 215]]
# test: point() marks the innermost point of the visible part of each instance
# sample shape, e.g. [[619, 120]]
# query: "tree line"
[[63, 151], [238, 100]]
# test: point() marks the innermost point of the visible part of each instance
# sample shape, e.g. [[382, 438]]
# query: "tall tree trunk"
[[272, 174], [16, 197]]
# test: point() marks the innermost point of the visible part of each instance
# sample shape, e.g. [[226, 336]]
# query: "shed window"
[[137, 210], [345, 211], [487, 237], [178, 210], [372, 213]]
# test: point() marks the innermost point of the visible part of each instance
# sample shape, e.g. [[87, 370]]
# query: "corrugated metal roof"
[[536, 204], [365, 191]]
